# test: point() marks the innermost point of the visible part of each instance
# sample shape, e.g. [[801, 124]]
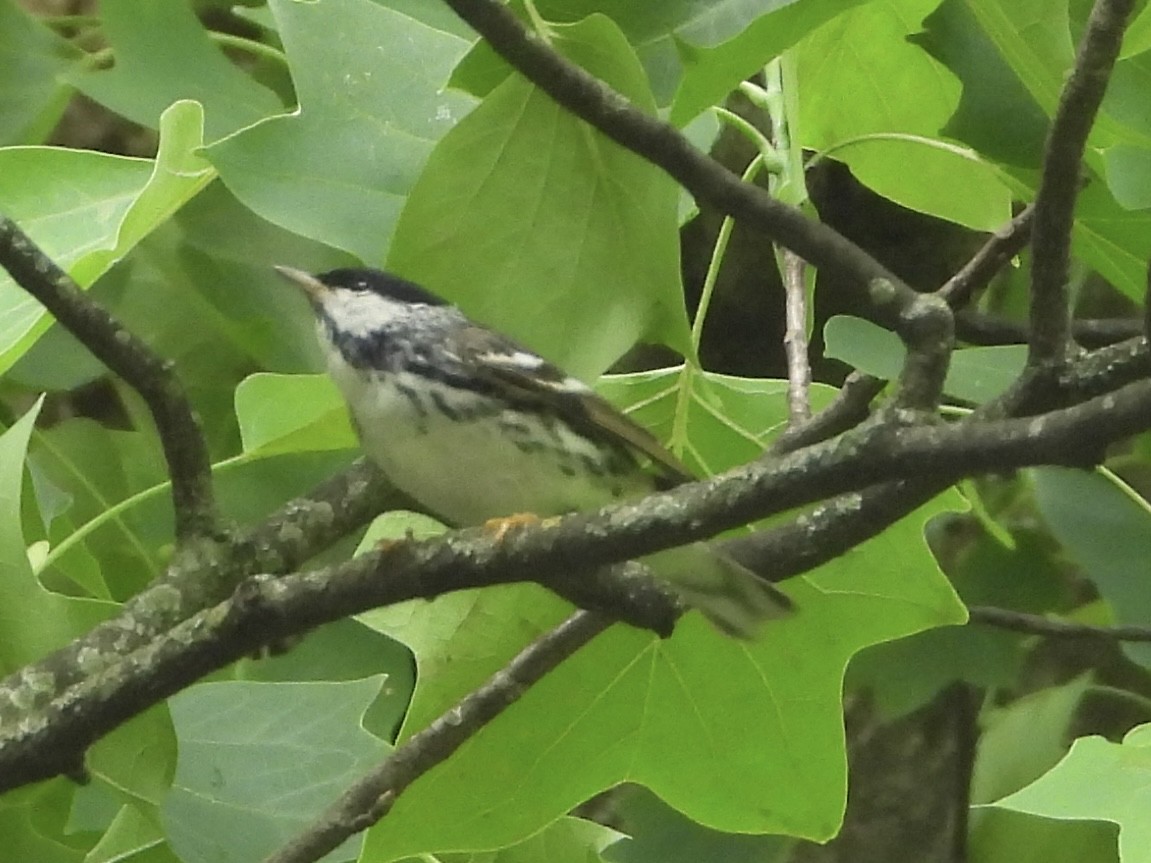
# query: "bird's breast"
[[468, 458]]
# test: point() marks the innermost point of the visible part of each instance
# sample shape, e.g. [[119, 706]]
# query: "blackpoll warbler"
[[474, 427]]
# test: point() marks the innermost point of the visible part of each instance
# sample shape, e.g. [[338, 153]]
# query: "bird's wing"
[[528, 377]]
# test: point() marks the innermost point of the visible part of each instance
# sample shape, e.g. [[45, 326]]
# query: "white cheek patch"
[[360, 313]]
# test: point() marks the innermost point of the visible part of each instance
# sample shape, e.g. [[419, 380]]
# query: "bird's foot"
[[504, 524]]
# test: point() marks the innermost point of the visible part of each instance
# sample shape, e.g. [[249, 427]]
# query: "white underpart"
[[470, 471]]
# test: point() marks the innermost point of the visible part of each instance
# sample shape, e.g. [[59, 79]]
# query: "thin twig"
[[795, 340], [980, 328], [1059, 185], [193, 495], [1003, 245], [1034, 624], [373, 795], [852, 405]]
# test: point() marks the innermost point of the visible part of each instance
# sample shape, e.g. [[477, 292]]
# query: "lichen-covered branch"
[[267, 609]]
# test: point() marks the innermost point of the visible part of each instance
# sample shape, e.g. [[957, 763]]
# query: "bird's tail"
[[736, 600]]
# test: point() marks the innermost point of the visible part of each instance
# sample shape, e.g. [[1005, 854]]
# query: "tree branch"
[[201, 576], [980, 328], [661, 144], [1035, 624], [371, 797], [186, 453], [795, 340], [266, 609], [1059, 185], [1004, 245], [851, 406]]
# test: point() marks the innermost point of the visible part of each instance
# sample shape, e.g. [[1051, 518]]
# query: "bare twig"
[[193, 496], [1059, 186], [980, 328], [1034, 624], [795, 340], [851, 406], [1004, 245], [371, 797]]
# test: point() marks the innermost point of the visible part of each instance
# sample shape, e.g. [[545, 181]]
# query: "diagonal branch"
[[265, 609], [1004, 245], [193, 496], [373, 795], [202, 576], [1034, 624], [661, 144]]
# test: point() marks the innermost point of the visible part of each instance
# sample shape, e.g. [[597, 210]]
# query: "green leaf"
[[1112, 239], [659, 834], [227, 253], [163, 55], [541, 227], [346, 650], [737, 40], [372, 105], [569, 840], [1100, 781], [928, 174], [34, 620], [879, 103], [292, 413], [99, 468], [137, 760], [178, 175], [1034, 38], [1006, 836], [976, 374], [260, 761], [906, 674], [87, 210], [1025, 739], [32, 94], [1106, 527], [993, 98], [712, 421], [32, 821], [1129, 175], [131, 833]]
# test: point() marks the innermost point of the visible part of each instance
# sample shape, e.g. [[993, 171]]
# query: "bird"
[[476, 427]]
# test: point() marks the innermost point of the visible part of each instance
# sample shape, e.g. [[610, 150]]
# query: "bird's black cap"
[[379, 282]]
